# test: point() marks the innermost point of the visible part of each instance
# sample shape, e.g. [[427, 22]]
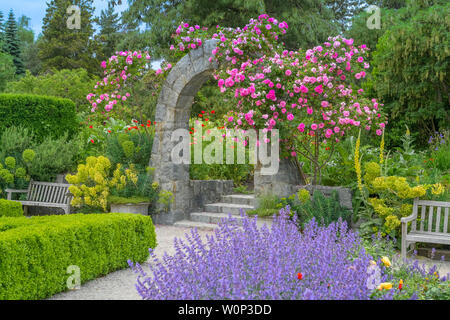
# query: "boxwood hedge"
[[10, 208], [36, 252], [46, 116]]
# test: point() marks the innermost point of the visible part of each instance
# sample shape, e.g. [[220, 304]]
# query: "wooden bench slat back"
[[431, 218], [48, 192]]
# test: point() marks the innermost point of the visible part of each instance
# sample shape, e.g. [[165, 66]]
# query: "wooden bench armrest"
[[16, 190], [11, 191], [408, 218]]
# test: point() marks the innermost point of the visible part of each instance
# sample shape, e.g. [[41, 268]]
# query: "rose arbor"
[[312, 97]]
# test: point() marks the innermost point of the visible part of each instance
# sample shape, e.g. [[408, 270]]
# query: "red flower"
[[212, 111], [206, 119], [90, 127], [200, 115], [109, 131], [92, 140], [299, 276], [203, 111]]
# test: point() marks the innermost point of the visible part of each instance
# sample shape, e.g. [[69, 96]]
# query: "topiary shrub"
[[10, 208], [46, 116], [35, 253]]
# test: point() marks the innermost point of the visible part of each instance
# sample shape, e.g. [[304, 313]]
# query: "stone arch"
[[173, 110]]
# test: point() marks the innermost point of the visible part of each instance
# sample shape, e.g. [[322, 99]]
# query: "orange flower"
[[299, 276], [400, 284]]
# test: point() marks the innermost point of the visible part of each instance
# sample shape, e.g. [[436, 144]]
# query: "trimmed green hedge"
[[10, 208], [46, 116], [36, 252]]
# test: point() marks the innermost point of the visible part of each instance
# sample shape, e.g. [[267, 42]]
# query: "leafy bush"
[[14, 140], [10, 208], [70, 84], [14, 173], [131, 146], [36, 252], [53, 156], [324, 210], [46, 116], [95, 182]]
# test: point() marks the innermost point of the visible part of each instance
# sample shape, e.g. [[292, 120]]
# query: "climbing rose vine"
[[118, 72], [312, 96]]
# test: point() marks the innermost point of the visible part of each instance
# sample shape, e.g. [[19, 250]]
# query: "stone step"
[[212, 217], [232, 208], [248, 199], [195, 224]]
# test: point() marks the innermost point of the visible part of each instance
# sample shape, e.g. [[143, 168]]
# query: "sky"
[[35, 9]]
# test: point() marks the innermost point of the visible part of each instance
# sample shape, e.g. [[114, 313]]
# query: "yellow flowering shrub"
[[391, 197], [92, 183]]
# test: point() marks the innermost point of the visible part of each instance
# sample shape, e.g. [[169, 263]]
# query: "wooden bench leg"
[[404, 248]]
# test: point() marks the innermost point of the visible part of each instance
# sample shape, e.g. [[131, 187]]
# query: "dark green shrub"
[[14, 141], [130, 147], [36, 252], [53, 156], [324, 210], [46, 116], [10, 208]]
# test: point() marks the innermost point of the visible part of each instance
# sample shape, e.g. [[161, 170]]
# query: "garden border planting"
[[35, 253]]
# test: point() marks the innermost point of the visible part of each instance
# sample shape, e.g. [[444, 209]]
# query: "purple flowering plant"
[[248, 262]]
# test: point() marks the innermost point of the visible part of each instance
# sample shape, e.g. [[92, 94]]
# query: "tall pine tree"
[[2, 32], [65, 48], [109, 23], [12, 43]]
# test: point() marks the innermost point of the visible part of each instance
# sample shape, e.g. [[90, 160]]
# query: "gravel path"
[[119, 285]]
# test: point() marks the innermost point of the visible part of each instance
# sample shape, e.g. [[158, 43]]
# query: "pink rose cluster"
[[117, 71], [308, 93], [188, 37]]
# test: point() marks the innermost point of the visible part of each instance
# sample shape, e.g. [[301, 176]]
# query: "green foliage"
[[411, 71], [64, 48], [14, 141], [12, 43], [239, 173], [268, 205], [242, 189], [46, 116], [109, 36], [125, 200], [10, 209], [36, 252], [52, 157], [13, 172], [324, 210], [165, 199], [7, 69], [130, 147], [71, 84]]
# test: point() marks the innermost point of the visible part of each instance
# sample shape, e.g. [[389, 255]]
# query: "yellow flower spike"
[[358, 163], [386, 261], [382, 149], [385, 286]]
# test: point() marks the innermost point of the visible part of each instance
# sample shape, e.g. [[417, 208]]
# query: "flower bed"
[[280, 263], [35, 253]]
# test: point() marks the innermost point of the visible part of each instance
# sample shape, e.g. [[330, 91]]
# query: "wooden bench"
[[45, 194], [433, 226]]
